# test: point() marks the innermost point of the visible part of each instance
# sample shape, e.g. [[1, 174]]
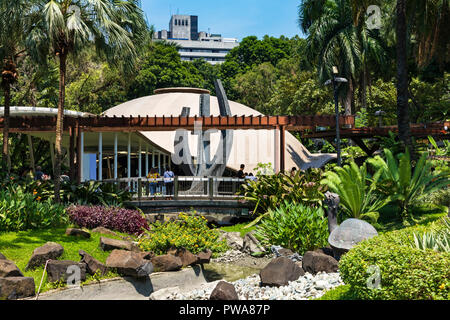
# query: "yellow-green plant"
[[190, 232]]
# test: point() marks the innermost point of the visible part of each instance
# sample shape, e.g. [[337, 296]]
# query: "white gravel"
[[306, 287]]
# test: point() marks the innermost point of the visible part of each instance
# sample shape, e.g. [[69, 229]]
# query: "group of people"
[[245, 175], [168, 176]]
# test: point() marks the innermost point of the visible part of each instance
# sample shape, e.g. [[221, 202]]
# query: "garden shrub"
[[113, 218], [189, 231], [294, 226], [21, 211], [407, 273]]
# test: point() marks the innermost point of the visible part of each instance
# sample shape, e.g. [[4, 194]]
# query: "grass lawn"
[[239, 228], [18, 247]]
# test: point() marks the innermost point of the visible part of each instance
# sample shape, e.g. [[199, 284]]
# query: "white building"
[[183, 30]]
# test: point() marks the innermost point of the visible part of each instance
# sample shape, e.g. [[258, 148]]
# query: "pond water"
[[227, 271]]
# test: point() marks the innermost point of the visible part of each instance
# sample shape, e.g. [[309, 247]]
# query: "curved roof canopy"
[[249, 147]]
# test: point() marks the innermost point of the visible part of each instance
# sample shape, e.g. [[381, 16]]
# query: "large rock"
[[108, 244], [317, 261], [348, 234], [129, 263], [2, 257], [49, 251], [77, 233], [9, 269], [279, 272], [224, 291], [167, 262], [234, 240], [187, 257], [251, 245], [204, 256], [103, 230], [61, 270], [13, 288], [92, 264]]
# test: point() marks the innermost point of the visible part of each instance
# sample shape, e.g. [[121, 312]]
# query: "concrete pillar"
[[115, 155], [100, 156], [129, 159]]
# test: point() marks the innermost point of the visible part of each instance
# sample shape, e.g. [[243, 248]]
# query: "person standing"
[[241, 174], [168, 181], [153, 176]]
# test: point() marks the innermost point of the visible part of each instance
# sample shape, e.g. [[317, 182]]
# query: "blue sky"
[[231, 18]]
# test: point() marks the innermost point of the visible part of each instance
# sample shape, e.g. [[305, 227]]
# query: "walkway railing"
[[181, 187]]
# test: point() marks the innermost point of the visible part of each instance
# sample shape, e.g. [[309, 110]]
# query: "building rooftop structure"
[[183, 31]]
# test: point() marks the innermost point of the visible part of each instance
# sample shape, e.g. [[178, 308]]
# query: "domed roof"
[[250, 147]]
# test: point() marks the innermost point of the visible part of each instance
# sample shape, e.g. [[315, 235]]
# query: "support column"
[[82, 155], [282, 149], [140, 159], [159, 162], [78, 171], [52, 156], [100, 156], [146, 161], [276, 150], [129, 159], [30, 146], [72, 154], [115, 156]]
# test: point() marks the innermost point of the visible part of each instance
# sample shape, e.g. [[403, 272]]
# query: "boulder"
[[129, 263], [2, 257], [279, 272], [317, 261], [108, 244], [187, 257], [103, 230], [61, 270], [77, 233], [49, 251], [13, 288], [147, 255], [224, 291], [234, 240], [251, 245], [283, 252], [348, 234], [167, 262], [92, 264], [204, 256], [9, 269]]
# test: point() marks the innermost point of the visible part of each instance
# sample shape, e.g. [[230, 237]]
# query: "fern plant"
[[403, 183], [357, 191]]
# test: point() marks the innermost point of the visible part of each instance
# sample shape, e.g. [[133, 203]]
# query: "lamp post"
[[335, 81]]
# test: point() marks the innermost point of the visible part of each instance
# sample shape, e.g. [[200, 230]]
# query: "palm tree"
[[12, 34], [334, 40], [65, 27]]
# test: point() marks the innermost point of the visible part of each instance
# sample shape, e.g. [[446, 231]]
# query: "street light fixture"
[[335, 81]]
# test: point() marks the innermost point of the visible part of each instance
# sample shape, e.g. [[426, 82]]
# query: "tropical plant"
[[12, 34], [403, 183], [270, 190], [357, 191], [64, 27], [20, 210], [294, 226], [437, 239]]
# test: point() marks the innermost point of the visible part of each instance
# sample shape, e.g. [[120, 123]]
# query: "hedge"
[[407, 273]]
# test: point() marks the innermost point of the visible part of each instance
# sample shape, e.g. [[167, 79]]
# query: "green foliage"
[[343, 292], [20, 210], [189, 231], [437, 239], [403, 183], [357, 191], [270, 190], [294, 226], [407, 273]]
